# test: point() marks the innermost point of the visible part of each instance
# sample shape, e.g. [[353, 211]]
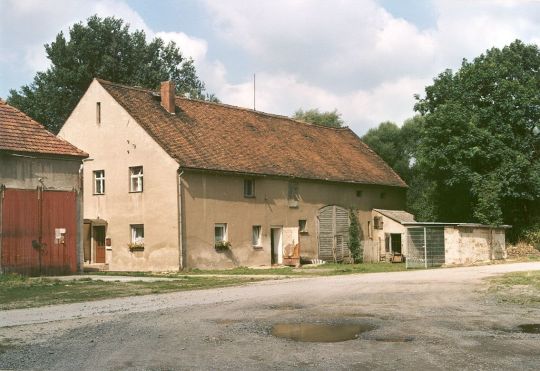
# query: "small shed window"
[[358, 193], [136, 179], [378, 222], [256, 236], [98, 112], [249, 188], [220, 233], [302, 226], [99, 182]]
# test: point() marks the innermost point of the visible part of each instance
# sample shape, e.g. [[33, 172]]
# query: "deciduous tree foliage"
[[481, 141], [104, 48], [398, 147], [314, 116]]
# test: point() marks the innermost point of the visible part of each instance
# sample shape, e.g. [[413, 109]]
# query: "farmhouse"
[[177, 183], [40, 198]]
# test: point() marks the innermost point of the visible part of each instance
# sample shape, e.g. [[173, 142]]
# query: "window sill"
[[135, 192], [257, 247], [249, 196], [98, 194], [303, 232]]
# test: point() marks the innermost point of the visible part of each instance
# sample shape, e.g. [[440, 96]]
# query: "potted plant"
[[136, 246], [222, 245]]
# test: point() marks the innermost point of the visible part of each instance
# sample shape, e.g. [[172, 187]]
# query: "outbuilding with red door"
[[40, 198]]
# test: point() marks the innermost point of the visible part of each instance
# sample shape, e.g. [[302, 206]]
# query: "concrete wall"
[[464, 245], [212, 198], [25, 172], [114, 145]]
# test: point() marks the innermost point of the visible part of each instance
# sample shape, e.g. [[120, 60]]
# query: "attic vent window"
[[98, 112], [249, 188], [294, 196]]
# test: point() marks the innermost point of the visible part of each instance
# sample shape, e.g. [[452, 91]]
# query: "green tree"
[[396, 145], [481, 142], [314, 116], [104, 48], [354, 237]]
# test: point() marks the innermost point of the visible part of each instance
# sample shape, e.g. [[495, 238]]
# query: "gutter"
[[180, 204]]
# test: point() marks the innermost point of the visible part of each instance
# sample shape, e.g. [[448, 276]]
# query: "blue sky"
[[365, 58]]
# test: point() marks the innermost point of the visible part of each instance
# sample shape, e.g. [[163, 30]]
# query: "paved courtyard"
[[434, 319]]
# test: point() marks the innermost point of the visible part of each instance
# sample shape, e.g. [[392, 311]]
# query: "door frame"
[[276, 229], [94, 244]]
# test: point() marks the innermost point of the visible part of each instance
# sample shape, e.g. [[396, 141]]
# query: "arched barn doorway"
[[334, 234]]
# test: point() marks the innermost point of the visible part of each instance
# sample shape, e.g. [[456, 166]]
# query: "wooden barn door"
[[334, 234]]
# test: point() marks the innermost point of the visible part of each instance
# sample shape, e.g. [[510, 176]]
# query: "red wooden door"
[[99, 242]]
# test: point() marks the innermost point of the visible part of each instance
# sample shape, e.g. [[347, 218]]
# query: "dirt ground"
[[434, 319]]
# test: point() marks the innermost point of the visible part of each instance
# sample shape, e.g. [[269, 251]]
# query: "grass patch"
[[521, 288], [329, 269], [22, 292]]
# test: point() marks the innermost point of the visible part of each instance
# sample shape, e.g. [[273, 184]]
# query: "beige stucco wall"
[[472, 245], [114, 145], [212, 198], [26, 172]]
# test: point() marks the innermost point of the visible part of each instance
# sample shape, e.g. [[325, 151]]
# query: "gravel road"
[[434, 319]]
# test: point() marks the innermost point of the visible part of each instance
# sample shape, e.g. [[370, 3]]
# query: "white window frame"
[[224, 237], [99, 182], [256, 240], [249, 192], [136, 180], [134, 235]]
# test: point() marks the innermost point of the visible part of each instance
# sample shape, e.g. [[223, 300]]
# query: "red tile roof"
[[213, 136], [19, 133]]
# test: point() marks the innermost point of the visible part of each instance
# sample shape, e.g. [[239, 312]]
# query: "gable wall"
[[115, 145]]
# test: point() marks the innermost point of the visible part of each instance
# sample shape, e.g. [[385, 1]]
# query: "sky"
[[365, 58]]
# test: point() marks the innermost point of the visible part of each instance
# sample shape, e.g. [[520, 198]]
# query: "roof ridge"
[[225, 105]]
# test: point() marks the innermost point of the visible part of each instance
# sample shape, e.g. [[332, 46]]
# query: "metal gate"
[[425, 247], [334, 234], [38, 231]]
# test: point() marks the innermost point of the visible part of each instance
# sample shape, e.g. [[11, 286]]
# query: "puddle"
[[319, 332], [530, 328]]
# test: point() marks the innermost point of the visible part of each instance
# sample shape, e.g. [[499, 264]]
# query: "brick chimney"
[[168, 92]]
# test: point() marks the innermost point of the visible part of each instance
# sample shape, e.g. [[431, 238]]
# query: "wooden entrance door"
[[99, 243], [334, 234]]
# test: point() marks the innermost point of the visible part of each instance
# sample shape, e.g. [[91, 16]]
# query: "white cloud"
[[354, 55], [190, 46], [351, 55], [43, 20]]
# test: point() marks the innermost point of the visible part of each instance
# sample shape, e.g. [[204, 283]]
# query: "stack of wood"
[[521, 249]]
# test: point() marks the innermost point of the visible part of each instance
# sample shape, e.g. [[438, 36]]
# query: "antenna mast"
[[253, 92]]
